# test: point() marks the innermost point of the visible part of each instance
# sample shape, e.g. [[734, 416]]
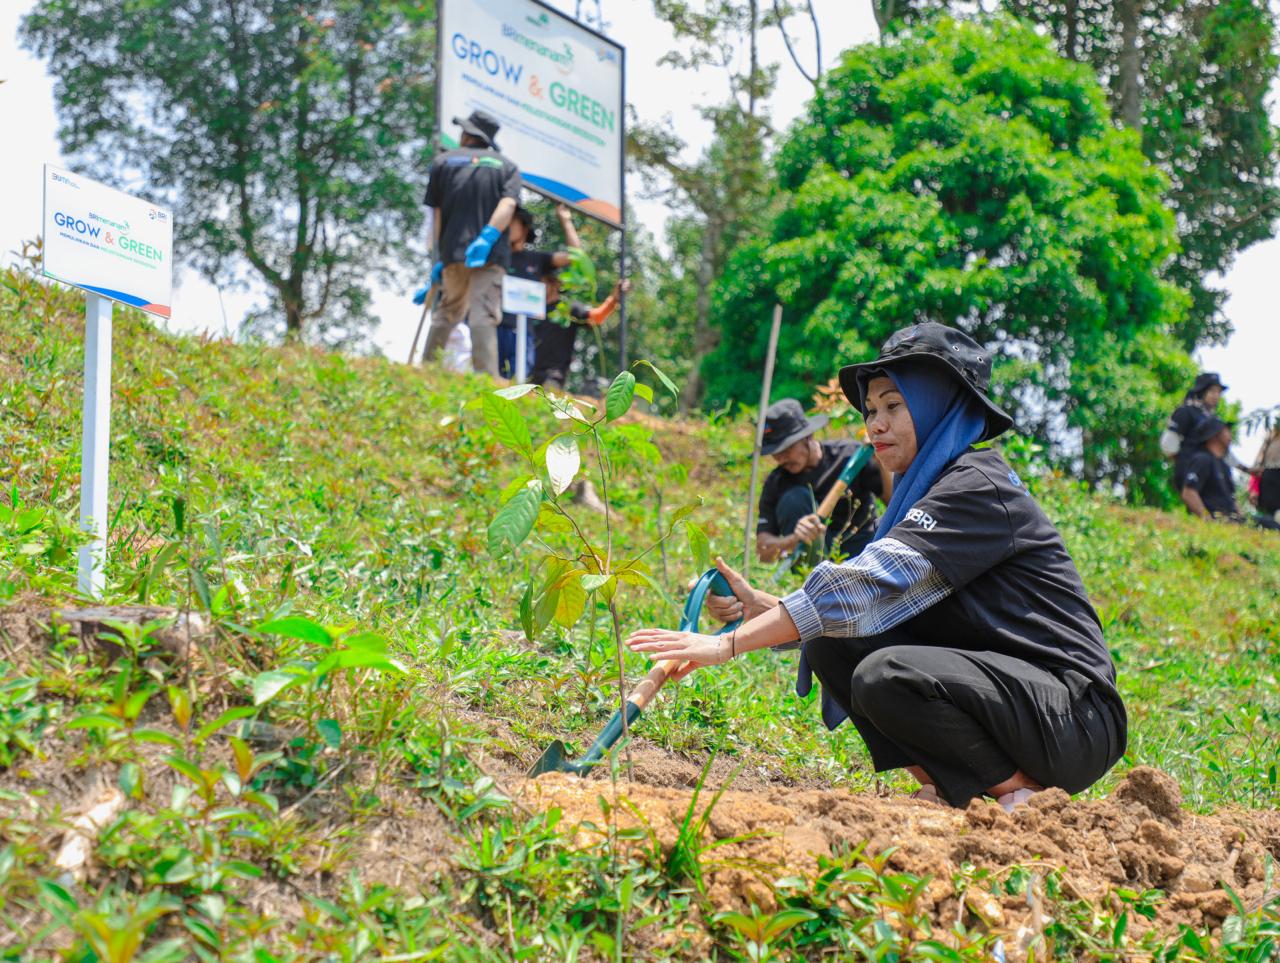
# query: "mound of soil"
[[1138, 838]]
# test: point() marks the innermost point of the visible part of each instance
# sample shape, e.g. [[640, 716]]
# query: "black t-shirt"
[[821, 477], [532, 266], [1184, 421], [1016, 590], [1209, 475], [466, 185]]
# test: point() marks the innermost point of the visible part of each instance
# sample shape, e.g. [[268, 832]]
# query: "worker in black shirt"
[[807, 470], [533, 265], [1208, 490], [472, 192], [554, 339], [1200, 402], [961, 642]]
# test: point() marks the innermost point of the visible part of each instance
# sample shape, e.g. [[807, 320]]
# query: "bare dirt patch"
[[1138, 838]]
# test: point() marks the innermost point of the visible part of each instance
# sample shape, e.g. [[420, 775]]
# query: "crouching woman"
[[960, 642]]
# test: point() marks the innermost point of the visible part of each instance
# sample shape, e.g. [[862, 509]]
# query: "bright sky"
[[1248, 363]]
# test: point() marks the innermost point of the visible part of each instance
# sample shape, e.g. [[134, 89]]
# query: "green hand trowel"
[[556, 758]]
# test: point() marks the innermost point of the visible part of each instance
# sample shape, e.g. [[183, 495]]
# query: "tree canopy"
[[966, 173], [287, 137]]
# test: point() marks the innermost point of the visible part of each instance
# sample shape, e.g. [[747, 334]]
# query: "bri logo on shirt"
[[925, 520]]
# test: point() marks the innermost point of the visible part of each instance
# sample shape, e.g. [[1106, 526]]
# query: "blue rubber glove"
[[478, 250], [437, 272]]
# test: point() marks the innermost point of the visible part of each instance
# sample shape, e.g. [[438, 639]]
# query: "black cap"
[[1206, 380], [482, 125], [1207, 429], [947, 348], [785, 423]]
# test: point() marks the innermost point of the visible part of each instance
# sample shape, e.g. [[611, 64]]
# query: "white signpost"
[[556, 87], [118, 248], [524, 299]]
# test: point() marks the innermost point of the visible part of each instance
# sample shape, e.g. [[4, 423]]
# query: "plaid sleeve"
[[887, 584]]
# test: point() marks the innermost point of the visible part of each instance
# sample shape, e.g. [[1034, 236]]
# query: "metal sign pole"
[[96, 441], [755, 454], [522, 334]]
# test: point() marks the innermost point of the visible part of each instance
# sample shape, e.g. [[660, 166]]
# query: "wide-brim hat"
[[1206, 429], [482, 125], [785, 423], [949, 350], [1206, 380]]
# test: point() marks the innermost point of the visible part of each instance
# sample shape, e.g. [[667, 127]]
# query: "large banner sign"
[[107, 242], [554, 85]]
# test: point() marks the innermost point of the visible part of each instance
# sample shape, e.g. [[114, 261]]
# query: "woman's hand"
[[691, 648], [745, 603]]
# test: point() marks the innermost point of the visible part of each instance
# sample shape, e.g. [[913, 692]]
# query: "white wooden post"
[[522, 335], [96, 440]]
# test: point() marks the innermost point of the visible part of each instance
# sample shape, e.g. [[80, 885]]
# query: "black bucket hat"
[[1206, 380], [1206, 429], [482, 125], [946, 348], [785, 423]]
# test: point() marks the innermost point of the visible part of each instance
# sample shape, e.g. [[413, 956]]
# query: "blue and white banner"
[[555, 86]]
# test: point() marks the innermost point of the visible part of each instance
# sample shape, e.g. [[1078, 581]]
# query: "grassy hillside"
[[327, 517]]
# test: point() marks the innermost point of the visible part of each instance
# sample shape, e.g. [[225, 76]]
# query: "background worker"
[[1267, 467], [554, 341], [1208, 490], [807, 469], [473, 192], [1199, 403], [532, 265]]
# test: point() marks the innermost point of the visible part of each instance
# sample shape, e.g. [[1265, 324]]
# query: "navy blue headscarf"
[[947, 421]]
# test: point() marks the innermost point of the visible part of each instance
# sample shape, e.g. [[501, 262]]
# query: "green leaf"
[[699, 545], [666, 382], [330, 732], [645, 392], [514, 521], [231, 715], [570, 603], [512, 392], [507, 424], [563, 462], [526, 612], [593, 582], [268, 685], [94, 720], [130, 780], [357, 659], [294, 627], [617, 400]]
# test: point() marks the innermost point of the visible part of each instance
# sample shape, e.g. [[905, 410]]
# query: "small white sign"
[[107, 242], [524, 297]]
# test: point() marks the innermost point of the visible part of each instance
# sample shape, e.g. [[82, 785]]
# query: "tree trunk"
[[1072, 39], [754, 76], [1128, 83], [883, 10], [705, 337]]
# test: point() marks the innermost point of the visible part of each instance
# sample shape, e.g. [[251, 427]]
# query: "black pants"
[[970, 719], [552, 353], [797, 502]]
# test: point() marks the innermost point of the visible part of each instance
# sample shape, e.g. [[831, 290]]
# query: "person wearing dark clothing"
[[807, 470], [554, 342], [1200, 402], [961, 643], [531, 265], [1267, 469], [1208, 490], [472, 192]]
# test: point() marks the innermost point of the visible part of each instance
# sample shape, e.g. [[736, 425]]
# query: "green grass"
[[314, 506]]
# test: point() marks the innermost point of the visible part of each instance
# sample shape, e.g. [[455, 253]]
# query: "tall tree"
[[288, 138], [1193, 77], [964, 172]]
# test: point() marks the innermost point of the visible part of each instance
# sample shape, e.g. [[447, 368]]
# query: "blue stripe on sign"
[[558, 188], [137, 302]]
